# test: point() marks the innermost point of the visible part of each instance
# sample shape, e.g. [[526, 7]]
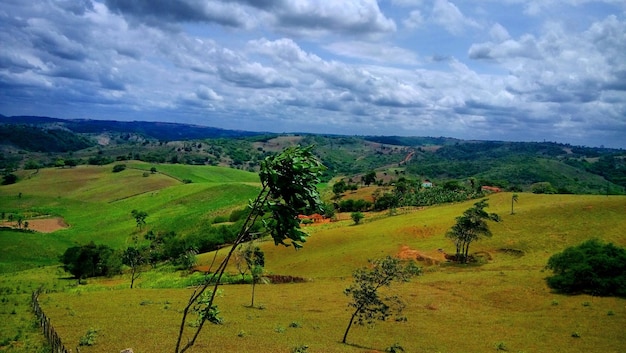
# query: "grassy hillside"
[[503, 302], [96, 203]]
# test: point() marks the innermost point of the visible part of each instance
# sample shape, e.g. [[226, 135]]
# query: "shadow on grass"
[[361, 347]]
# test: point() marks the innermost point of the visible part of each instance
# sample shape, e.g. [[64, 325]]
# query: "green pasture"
[[500, 303], [96, 204], [198, 174]]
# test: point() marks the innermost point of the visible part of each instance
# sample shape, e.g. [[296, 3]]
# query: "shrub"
[[220, 219], [543, 187], [89, 339], [357, 217], [301, 349], [237, 215], [9, 179], [591, 267], [395, 348], [118, 168]]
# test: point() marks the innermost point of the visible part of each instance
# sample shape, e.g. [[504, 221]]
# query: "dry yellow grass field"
[[503, 303]]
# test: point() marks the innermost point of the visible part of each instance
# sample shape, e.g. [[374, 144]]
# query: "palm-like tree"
[[514, 199]]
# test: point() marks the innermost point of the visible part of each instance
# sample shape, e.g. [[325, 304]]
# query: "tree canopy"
[[90, 260], [288, 182], [592, 267], [368, 305], [469, 227]]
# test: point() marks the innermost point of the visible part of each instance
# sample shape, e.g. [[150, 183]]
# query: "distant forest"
[[36, 142]]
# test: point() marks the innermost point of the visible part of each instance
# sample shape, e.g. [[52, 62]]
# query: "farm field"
[[502, 303]]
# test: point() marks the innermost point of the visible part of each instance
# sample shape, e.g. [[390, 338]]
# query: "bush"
[[240, 214], [220, 219], [118, 168], [591, 267], [9, 179], [543, 188], [357, 217], [89, 339]]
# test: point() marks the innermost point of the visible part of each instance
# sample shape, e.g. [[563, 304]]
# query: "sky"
[[510, 70]]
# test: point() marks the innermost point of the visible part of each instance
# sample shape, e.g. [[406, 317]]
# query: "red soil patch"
[[406, 253], [42, 225]]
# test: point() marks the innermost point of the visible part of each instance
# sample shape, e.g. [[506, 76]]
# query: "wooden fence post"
[[46, 326]]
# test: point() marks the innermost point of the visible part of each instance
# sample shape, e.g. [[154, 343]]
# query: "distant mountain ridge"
[[30, 142], [163, 131]]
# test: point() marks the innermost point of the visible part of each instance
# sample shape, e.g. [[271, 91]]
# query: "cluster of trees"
[[470, 227], [18, 219], [352, 205], [91, 260], [407, 192], [32, 138], [341, 186]]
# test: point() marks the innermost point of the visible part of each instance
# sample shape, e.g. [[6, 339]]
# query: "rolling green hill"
[[96, 203], [502, 302], [45, 142]]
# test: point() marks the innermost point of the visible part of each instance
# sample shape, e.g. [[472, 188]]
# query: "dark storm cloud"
[[155, 12], [360, 17]]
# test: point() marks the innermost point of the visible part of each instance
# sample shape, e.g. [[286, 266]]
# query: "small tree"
[[368, 305], [140, 218], [357, 217], [369, 178], [250, 258], [288, 183], [71, 163], [471, 226], [255, 258], [134, 257], [514, 199], [339, 188]]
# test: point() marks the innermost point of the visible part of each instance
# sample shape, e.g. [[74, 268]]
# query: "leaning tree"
[[469, 227], [288, 182], [369, 306]]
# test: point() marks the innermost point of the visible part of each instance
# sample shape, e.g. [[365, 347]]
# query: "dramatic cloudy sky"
[[523, 70]]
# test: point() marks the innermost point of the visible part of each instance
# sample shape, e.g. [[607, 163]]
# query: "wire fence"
[[49, 332]]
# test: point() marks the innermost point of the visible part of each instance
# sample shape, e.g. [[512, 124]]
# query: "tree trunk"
[[253, 285], [132, 277], [345, 335], [466, 252]]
